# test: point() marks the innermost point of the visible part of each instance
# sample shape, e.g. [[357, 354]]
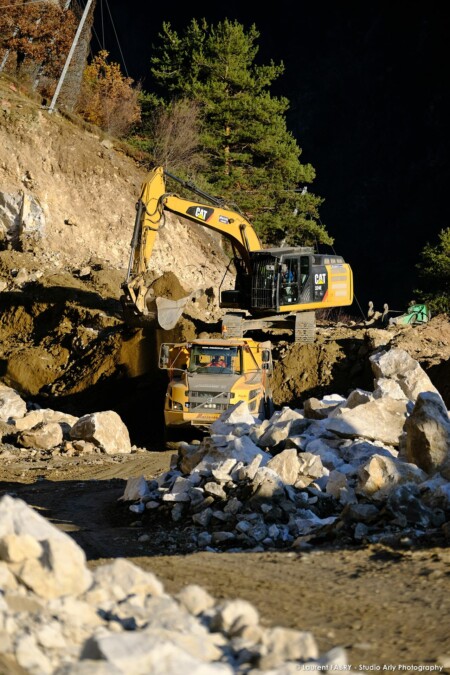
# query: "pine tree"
[[253, 158], [434, 271]]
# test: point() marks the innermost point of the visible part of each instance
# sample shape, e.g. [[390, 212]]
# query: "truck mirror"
[[265, 357], [164, 357]]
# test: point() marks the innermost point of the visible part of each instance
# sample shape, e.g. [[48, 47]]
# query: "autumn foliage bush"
[[35, 37], [108, 98]]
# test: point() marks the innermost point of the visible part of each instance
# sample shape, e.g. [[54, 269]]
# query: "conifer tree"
[[434, 271], [253, 158]]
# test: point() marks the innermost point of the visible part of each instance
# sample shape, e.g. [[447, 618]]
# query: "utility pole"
[[69, 56]]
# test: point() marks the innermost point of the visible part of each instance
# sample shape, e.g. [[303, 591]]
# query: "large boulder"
[[427, 435], [45, 416], [380, 419], [286, 465], [12, 406], [381, 475], [42, 436], [399, 366], [46, 560], [105, 430], [283, 423]]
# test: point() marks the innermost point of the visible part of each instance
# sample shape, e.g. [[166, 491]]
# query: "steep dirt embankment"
[[87, 190]]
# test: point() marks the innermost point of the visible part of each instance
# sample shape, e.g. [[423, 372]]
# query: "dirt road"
[[385, 606]]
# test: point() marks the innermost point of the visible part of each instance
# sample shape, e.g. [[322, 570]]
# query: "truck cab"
[[208, 376]]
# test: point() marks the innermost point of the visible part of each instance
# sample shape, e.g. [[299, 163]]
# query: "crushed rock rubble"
[[374, 467], [57, 617]]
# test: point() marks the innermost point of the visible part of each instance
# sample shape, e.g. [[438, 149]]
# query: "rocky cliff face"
[[68, 195]]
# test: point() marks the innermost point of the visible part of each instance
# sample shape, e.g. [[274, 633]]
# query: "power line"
[[103, 24], [98, 40], [117, 38]]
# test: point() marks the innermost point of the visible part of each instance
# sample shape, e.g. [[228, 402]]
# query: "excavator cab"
[[280, 278], [291, 279]]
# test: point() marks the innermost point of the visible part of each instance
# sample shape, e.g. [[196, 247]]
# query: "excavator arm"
[[232, 225], [139, 305], [154, 201]]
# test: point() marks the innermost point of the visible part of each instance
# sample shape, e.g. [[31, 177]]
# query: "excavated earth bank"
[[64, 344]]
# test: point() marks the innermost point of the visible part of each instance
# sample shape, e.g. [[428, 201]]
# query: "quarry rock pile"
[[373, 467], [57, 617], [49, 432]]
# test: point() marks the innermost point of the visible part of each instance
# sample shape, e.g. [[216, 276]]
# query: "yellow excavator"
[[274, 287]]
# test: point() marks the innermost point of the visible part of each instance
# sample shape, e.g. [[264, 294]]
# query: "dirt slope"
[[87, 189], [338, 361]]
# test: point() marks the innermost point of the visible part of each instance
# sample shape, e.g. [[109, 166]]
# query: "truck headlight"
[[176, 406]]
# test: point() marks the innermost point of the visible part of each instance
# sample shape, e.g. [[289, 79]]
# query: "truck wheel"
[[269, 407]]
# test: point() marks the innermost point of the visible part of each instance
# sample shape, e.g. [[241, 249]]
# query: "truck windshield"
[[215, 360]]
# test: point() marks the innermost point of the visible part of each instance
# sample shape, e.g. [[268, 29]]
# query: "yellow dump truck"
[[208, 376]]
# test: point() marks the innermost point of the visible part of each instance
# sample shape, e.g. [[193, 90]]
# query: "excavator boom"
[[149, 214], [154, 201], [230, 224], [141, 308]]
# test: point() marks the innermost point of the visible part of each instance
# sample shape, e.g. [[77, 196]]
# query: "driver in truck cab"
[[218, 362]]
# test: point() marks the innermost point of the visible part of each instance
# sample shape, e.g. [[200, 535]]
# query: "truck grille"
[[208, 400], [209, 394]]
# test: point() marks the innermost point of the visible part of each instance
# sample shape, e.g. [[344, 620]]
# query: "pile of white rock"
[[27, 432], [372, 467], [58, 617]]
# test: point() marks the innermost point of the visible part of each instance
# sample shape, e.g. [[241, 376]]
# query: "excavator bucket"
[[169, 311], [142, 309]]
